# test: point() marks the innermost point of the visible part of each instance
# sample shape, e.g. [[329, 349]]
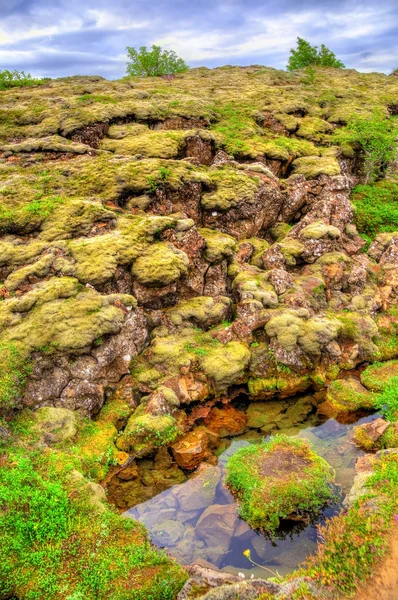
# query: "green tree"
[[153, 62], [376, 136], [10, 79], [305, 55]]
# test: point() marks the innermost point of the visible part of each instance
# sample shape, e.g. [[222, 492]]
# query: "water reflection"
[[198, 520]]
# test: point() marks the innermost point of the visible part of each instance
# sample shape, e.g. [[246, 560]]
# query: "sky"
[[55, 38]]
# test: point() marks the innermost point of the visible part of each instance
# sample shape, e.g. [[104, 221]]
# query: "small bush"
[[376, 137], [153, 62], [10, 79], [376, 207], [305, 55]]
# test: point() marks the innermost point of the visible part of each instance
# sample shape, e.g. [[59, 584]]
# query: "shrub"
[[154, 62], [10, 79], [375, 136], [305, 55], [376, 207]]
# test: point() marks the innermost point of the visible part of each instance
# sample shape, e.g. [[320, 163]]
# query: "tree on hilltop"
[[306, 55], [153, 62]]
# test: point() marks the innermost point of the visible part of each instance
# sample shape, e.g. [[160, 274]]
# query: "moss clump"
[[376, 377], [160, 265], [145, 432], [232, 187], [226, 365], [60, 317], [278, 479], [312, 166], [202, 311], [348, 395], [14, 371], [319, 230], [219, 246]]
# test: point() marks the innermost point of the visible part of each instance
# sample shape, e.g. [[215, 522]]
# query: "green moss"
[[264, 479], [231, 188], [55, 545], [319, 230], [226, 365], [376, 377], [312, 166], [348, 395], [14, 371], [311, 128], [219, 246], [160, 265], [144, 432], [60, 316], [202, 311]]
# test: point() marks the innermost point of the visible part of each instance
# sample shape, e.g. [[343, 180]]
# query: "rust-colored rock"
[[190, 450], [226, 421]]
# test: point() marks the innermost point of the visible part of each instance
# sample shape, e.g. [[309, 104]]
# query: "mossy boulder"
[[376, 435], [376, 377], [160, 265], [219, 246], [349, 395], [277, 480], [56, 424], [313, 166], [144, 432], [226, 365]]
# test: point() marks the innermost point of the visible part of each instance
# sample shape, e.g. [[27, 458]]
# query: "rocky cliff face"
[[171, 241]]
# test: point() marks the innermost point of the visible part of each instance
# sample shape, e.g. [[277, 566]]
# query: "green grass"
[[355, 540], [10, 79], [57, 546], [387, 400], [376, 208]]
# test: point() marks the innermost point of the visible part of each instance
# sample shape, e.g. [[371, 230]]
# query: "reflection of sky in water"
[[198, 519]]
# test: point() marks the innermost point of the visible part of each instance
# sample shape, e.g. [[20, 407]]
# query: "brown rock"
[[191, 449], [226, 421]]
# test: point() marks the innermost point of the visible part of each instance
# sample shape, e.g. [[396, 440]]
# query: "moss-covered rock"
[[276, 480], [376, 377], [312, 166], [348, 395], [144, 432], [160, 265], [219, 246], [226, 365]]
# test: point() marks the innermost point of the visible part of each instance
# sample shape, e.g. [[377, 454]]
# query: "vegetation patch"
[[279, 479]]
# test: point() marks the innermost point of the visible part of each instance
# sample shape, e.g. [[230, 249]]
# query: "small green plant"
[[233, 123], [309, 75], [305, 55], [376, 137], [10, 79], [153, 62], [43, 207], [387, 400], [91, 98], [155, 181]]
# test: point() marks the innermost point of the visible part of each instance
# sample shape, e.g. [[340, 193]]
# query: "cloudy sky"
[[66, 37]]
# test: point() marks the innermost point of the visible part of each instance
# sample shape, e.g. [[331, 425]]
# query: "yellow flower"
[[246, 553]]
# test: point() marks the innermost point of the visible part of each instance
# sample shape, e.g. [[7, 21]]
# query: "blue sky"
[[67, 37]]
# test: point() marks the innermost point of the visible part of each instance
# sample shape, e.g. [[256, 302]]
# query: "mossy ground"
[[61, 540], [277, 479]]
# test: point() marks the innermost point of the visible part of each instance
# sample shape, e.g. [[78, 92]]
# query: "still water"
[[198, 519]]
